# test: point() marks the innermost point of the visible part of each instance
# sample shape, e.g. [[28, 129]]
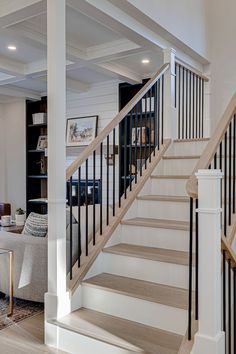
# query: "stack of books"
[[39, 118]]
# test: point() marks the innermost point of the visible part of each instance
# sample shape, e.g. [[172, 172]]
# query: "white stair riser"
[[74, 343], [149, 313], [144, 269], [168, 186], [163, 210], [186, 149], [176, 167], [155, 237]]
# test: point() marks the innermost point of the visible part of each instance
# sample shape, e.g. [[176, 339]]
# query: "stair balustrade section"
[[104, 174], [219, 154]]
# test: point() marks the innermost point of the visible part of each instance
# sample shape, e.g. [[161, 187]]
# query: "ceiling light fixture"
[[11, 47], [145, 61]]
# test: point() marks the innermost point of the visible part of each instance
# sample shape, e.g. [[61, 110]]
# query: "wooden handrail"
[[118, 118], [211, 148]]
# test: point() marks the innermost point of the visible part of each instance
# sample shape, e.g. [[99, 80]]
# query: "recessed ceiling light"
[[145, 61], [11, 47]]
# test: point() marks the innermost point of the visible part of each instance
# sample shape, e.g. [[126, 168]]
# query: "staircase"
[[135, 297]]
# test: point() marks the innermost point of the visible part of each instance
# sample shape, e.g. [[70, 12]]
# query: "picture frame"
[[81, 131], [42, 142]]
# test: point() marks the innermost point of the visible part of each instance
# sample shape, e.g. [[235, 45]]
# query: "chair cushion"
[[36, 225]]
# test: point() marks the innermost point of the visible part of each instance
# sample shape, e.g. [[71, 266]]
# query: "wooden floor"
[[25, 337]]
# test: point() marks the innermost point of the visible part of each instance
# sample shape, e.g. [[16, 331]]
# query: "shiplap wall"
[[101, 100]]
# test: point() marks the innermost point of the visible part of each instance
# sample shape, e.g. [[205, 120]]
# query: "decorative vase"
[[20, 219]]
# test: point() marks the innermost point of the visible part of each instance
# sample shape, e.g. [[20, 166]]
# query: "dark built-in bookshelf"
[[36, 161], [136, 119]]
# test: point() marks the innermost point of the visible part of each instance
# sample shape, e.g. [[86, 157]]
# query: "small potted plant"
[[20, 217]]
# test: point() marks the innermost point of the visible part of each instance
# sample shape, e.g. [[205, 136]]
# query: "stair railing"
[[98, 180], [219, 154], [189, 101]]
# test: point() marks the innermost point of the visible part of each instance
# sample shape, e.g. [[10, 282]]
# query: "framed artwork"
[[42, 142], [81, 131]]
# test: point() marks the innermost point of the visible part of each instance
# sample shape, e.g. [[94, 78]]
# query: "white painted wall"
[[12, 125], [221, 29], [185, 19]]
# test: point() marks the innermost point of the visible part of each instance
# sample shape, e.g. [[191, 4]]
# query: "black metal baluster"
[[150, 125], [108, 179], [146, 132], [136, 143], [175, 84], [234, 309], [193, 135], [234, 165], [114, 173], [199, 112], [221, 155], [183, 103], [158, 120], [86, 205], [71, 233], [225, 185], [224, 292], [215, 160], [79, 216], [196, 261], [186, 124], [190, 104], [196, 127], [229, 305], [155, 117], [120, 164], [203, 93], [230, 171], [94, 202], [190, 271], [101, 180], [125, 157], [162, 108], [179, 102], [130, 150]]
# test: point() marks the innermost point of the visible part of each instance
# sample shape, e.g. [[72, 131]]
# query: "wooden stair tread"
[[164, 198], [170, 176], [123, 333], [181, 157], [158, 293], [157, 223], [151, 253]]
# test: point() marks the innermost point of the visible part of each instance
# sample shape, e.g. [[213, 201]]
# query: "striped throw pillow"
[[36, 225]]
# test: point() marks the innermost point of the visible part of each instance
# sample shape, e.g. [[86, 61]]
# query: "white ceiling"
[[95, 52]]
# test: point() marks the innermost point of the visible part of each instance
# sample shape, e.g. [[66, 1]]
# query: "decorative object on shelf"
[[43, 165], [147, 100], [42, 142], [81, 131], [20, 217], [39, 118], [113, 150], [137, 133]]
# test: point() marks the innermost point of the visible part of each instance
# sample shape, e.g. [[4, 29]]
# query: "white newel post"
[[170, 120], [209, 339], [57, 302]]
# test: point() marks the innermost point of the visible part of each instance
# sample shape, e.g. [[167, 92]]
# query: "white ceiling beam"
[[21, 10], [13, 91], [120, 72], [112, 50]]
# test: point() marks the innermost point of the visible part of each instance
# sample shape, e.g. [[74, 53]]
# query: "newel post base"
[[209, 339]]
